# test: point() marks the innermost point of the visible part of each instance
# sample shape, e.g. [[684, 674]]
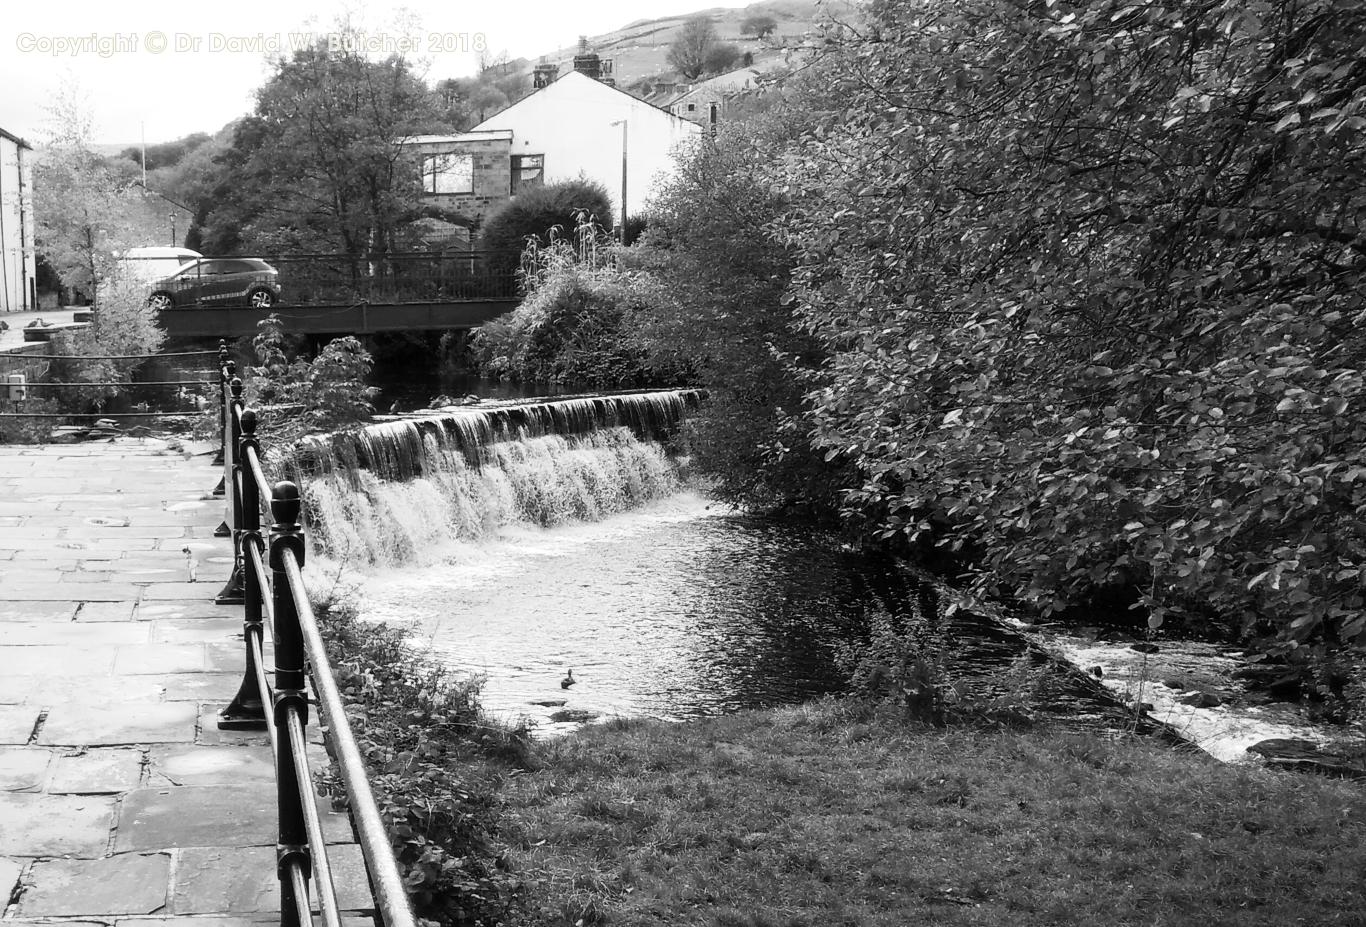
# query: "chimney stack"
[[544, 74], [586, 62]]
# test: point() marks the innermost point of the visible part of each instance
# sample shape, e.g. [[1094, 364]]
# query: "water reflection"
[[674, 610]]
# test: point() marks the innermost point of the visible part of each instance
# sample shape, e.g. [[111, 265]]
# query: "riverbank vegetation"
[[1071, 297], [845, 811], [435, 764]]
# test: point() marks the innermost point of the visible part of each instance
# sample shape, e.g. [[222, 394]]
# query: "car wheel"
[[159, 301], [261, 299]]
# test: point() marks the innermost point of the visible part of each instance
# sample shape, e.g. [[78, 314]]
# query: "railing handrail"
[[270, 587]]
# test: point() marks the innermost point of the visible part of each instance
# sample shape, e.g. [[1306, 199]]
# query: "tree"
[[1089, 280], [321, 165], [722, 57], [725, 316], [759, 25], [167, 154], [688, 52], [88, 206]]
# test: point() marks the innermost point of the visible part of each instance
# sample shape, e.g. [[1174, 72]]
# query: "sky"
[[163, 70]]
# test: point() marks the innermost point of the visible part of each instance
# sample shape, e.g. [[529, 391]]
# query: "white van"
[[144, 265]]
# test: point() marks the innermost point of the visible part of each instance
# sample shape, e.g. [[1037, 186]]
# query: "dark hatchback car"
[[218, 282]]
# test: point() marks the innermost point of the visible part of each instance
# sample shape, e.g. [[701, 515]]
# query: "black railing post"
[[247, 710], [232, 591], [229, 448], [222, 414], [287, 535]]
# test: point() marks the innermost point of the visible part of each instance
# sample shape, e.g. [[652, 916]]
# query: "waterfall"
[[394, 493]]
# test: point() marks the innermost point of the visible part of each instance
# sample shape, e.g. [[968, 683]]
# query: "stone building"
[[18, 275], [573, 126]]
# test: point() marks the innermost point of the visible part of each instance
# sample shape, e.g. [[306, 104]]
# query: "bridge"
[[357, 294], [359, 318]]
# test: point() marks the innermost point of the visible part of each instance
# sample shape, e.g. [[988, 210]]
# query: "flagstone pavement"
[[121, 802]]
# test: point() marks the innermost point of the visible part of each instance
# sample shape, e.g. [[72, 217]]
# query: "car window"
[[240, 267]]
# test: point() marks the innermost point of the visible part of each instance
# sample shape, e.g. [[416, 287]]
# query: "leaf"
[[1286, 122]]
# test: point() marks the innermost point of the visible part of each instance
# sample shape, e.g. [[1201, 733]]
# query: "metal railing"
[[413, 277], [267, 581]]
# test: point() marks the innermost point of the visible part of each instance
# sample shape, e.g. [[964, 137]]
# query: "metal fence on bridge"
[[415, 277]]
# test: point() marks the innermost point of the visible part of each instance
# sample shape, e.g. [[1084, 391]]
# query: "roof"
[[476, 135], [739, 79], [16, 139], [572, 76]]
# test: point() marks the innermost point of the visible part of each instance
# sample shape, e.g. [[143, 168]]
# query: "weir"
[[393, 493]]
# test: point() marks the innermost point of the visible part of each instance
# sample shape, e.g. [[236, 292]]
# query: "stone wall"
[[492, 162]]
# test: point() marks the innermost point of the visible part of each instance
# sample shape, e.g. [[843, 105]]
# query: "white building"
[[18, 277], [574, 126]]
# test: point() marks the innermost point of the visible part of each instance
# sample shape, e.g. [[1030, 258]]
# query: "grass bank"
[[840, 814], [833, 813]]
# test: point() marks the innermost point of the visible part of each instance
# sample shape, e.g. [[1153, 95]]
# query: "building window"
[[448, 173], [692, 107], [527, 171]]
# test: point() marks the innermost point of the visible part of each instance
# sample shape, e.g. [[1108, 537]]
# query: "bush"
[[577, 325], [326, 393], [29, 430], [543, 214], [122, 326]]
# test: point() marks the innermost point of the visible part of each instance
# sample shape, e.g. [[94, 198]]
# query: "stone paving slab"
[[146, 659], [31, 633], [97, 691], [121, 802], [199, 687], [38, 611], [130, 884], [10, 870], [181, 630], [200, 765], [54, 825], [23, 770], [92, 612], [348, 919], [95, 771], [139, 723], [56, 660], [189, 608], [17, 724], [49, 592], [241, 881], [209, 816]]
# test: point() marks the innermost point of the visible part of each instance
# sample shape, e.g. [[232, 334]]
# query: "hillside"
[[639, 50]]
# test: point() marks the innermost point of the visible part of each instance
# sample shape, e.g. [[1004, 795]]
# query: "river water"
[[520, 542], [675, 609]]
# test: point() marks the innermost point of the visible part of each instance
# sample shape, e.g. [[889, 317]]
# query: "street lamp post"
[[622, 233]]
